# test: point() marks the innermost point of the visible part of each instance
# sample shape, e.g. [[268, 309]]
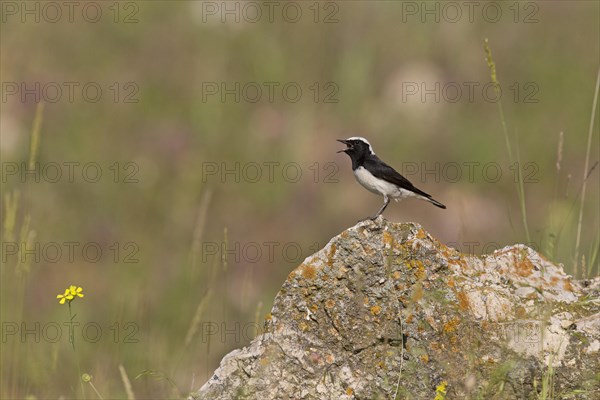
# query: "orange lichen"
[[330, 303], [451, 325], [268, 317], [451, 283], [460, 262], [388, 239], [396, 275], [349, 391], [291, 276], [524, 266], [421, 234], [330, 358], [308, 271], [567, 286], [463, 300], [419, 268], [409, 318], [332, 250], [424, 358], [421, 272], [375, 310]]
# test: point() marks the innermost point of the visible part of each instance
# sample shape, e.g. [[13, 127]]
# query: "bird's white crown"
[[362, 139]]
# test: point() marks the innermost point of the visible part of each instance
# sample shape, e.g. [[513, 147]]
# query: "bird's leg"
[[386, 201]]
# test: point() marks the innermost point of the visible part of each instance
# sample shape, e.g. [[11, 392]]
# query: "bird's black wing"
[[381, 170]]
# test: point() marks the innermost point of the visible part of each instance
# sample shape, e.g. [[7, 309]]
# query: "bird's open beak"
[[346, 143]]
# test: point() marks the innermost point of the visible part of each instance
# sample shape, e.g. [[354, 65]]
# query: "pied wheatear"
[[378, 177]]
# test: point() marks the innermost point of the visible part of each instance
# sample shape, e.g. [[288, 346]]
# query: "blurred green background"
[[191, 259]]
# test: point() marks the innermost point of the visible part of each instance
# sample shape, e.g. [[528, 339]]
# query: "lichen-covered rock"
[[385, 311]]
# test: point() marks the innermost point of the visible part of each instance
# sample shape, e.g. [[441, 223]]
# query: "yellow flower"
[[440, 391], [70, 293], [76, 291]]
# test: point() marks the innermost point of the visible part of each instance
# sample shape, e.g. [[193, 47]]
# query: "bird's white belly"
[[379, 186]]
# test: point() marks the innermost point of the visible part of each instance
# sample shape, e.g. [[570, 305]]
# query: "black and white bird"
[[378, 177]]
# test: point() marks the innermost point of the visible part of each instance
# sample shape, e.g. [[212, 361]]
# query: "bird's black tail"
[[421, 194], [435, 202]]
